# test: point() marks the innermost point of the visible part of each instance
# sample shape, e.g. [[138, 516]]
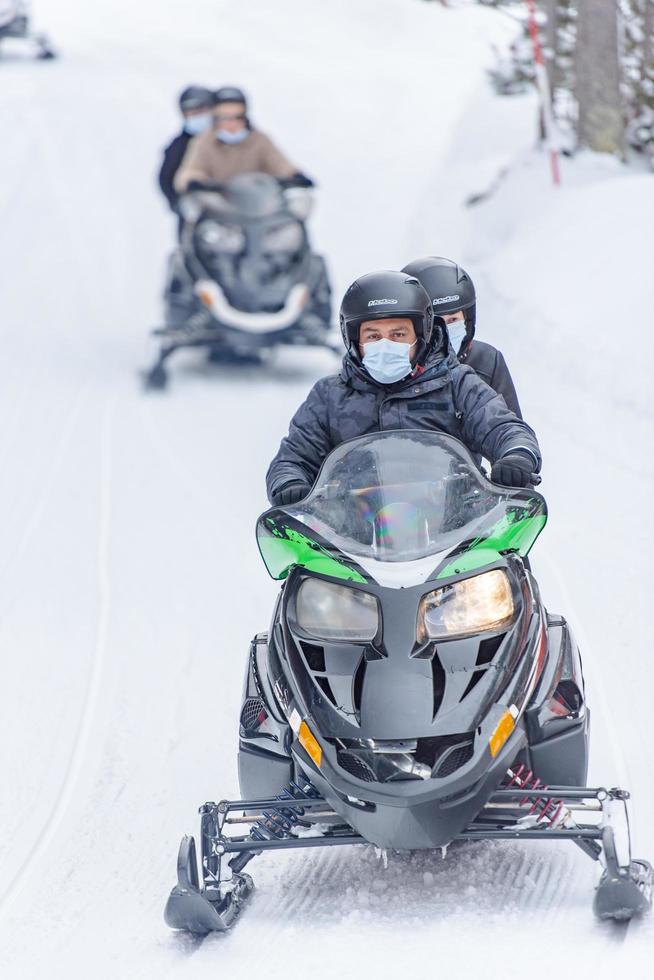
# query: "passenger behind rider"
[[399, 373], [453, 297], [195, 104], [233, 146]]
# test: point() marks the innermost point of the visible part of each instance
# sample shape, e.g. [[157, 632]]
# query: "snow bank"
[[566, 291], [579, 262]]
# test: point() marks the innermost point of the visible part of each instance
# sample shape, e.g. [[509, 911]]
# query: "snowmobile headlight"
[[335, 612], [284, 238], [221, 238], [474, 605]]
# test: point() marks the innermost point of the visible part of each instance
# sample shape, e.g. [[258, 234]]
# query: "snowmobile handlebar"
[[297, 180], [205, 185]]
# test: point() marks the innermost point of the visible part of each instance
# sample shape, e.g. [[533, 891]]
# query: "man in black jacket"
[[398, 373], [453, 297], [196, 104]]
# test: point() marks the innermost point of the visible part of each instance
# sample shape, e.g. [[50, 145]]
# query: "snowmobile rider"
[[195, 104], [232, 146], [398, 373], [454, 299]]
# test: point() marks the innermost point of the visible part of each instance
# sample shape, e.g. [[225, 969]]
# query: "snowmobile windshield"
[[400, 496], [252, 195]]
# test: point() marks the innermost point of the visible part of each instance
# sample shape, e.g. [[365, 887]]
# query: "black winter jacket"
[[490, 365], [173, 156], [447, 396]]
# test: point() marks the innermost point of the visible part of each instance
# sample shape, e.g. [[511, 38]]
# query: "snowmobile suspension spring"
[[546, 808], [279, 822]]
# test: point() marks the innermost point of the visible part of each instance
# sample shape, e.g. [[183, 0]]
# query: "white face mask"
[[225, 136], [387, 361], [456, 331], [197, 124]]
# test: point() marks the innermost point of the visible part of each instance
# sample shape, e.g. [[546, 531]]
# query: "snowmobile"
[[244, 279], [14, 23], [412, 689]]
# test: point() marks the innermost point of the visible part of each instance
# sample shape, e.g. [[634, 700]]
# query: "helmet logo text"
[[444, 299], [382, 302]]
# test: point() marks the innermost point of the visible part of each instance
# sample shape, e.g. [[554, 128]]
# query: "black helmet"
[[196, 97], [229, 93], [386, 294], [450, 287]]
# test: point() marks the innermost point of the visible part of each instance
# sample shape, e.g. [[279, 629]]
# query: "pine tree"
[[638, 74], [561, 36]]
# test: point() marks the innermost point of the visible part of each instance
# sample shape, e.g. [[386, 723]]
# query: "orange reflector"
[[501, 733], [205, 297], [309, 743]]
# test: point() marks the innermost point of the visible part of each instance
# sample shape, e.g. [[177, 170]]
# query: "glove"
[[516, 469], [297, 180], [290, 493], [205, 185]]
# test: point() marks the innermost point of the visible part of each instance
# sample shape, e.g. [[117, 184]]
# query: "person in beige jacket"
[[232, 147]]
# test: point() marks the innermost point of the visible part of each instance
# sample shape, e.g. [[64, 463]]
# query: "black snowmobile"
[[244, 279], [15, 24], [412, 689]]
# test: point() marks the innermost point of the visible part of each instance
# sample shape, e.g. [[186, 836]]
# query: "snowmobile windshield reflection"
[[400, 497]]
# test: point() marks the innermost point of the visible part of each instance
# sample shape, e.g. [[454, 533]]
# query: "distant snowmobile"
[[244, 279], [412, 689], [15, 23]]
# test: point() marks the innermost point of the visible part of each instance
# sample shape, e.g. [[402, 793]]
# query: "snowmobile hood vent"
[[397, 759], [337, 671]]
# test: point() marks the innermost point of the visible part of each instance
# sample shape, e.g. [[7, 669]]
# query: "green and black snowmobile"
[[412, 689]]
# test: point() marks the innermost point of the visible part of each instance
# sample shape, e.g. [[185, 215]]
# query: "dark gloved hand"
[[205, 185], [297, 180], [516, 469], [290, 493]]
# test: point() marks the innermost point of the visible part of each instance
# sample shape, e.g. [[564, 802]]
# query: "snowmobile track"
[[65, 795], [52, 472]]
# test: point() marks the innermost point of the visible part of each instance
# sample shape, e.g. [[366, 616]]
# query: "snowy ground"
[[129, 578]]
